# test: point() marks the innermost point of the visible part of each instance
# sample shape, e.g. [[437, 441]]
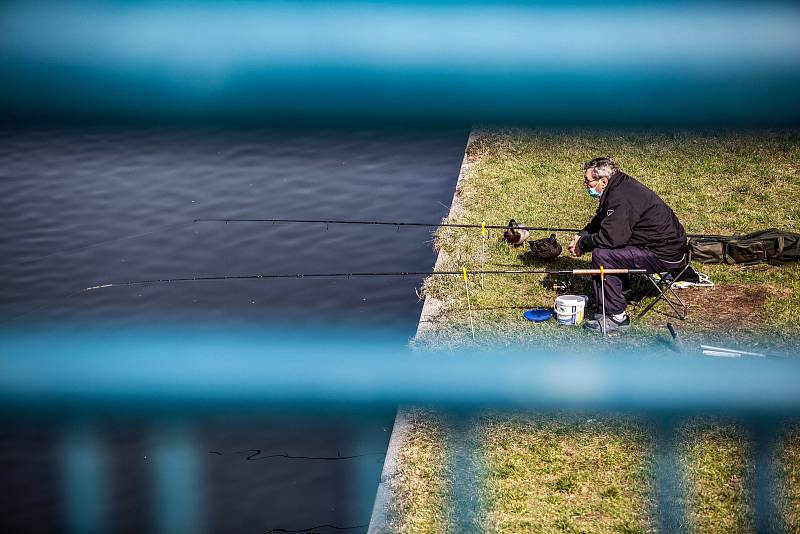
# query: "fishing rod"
[[389, 223], [580, 272], [416, 224]]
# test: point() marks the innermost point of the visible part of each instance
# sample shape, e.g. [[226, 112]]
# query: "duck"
[[513, 235], [546, 249]]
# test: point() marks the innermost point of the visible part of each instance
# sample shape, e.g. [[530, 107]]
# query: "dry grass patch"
[[792, 474], [566, 474], [728, 307], [718, 471], [420, 488]]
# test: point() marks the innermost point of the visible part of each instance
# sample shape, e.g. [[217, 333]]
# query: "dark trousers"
[[622, 258]]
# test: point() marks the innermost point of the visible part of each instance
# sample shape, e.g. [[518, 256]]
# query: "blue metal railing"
[[578, 62], [206, 371], [451, 62], [179, 376]]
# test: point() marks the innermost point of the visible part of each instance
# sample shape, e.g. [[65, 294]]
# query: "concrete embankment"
[[379, 522]]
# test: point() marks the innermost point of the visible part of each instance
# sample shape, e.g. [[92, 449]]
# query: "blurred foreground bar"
[[544, 63], [202, 372]]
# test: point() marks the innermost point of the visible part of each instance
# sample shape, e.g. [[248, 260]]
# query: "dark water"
[[81, 207], [61, 191]]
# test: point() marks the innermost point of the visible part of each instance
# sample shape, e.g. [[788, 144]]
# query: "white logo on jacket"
[[609, 212]]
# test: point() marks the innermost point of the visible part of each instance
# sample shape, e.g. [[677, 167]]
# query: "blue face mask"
[[593, 192]]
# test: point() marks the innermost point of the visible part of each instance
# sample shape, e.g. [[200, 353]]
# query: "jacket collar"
[[613, 182]]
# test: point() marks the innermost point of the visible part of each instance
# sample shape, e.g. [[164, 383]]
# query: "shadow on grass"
[[562, 262], [495, 308]]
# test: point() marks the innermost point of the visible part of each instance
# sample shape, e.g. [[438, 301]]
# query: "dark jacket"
[[631, 214]]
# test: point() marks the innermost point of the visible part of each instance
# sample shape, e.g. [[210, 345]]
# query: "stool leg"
[[658, 297], [663, 294]]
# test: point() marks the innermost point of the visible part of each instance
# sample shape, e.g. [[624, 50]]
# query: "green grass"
[[717, 467], [716, 183], [566, 474], [791, 465]]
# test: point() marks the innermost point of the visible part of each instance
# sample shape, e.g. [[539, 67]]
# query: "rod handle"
[[609, 271]]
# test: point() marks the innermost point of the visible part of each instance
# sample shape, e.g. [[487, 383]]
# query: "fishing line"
[[256, 454], [314, 528], [114, 240], [69, 294], [50, 302]]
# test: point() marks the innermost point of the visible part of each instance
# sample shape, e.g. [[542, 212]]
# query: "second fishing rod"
[[398, 274]]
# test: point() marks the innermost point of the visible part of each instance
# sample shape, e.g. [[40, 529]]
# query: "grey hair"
[[602, 167]]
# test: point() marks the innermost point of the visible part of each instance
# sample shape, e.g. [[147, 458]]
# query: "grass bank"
[[731, 183], [590, 473]]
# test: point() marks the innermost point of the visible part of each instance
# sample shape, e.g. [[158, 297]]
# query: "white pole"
[[603, 298], [723, 349], [483, 255], [469, 306]]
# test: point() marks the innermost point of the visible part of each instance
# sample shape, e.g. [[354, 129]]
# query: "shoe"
[[596, 324]]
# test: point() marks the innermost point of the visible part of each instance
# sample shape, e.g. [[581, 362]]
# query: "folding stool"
[[662, 284]]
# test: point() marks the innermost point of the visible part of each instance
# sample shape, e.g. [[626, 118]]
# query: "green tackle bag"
[[772, 246]]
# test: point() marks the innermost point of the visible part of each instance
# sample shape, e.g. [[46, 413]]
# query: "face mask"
[[593, 192]]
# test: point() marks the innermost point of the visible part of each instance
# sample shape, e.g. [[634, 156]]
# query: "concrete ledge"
[[379, 522], [432, 306]]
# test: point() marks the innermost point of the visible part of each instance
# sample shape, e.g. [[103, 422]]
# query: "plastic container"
[[569, 309], [538, 315]]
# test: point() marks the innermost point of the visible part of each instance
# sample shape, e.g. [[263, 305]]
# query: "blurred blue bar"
[[669, 479], [85, 481], [178, 482], [205, 371], [733, 63]]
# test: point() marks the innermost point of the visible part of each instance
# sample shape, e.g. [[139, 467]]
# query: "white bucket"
[[569, 309]]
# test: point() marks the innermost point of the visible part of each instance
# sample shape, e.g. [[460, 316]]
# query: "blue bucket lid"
[[538, 315]]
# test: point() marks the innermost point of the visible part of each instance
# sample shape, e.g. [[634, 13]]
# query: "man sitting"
[[633, 228]]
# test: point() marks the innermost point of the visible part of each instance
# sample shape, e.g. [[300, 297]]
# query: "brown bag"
[[707, 250]]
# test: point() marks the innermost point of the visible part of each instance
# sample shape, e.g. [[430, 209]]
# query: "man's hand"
[[573, 247]]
